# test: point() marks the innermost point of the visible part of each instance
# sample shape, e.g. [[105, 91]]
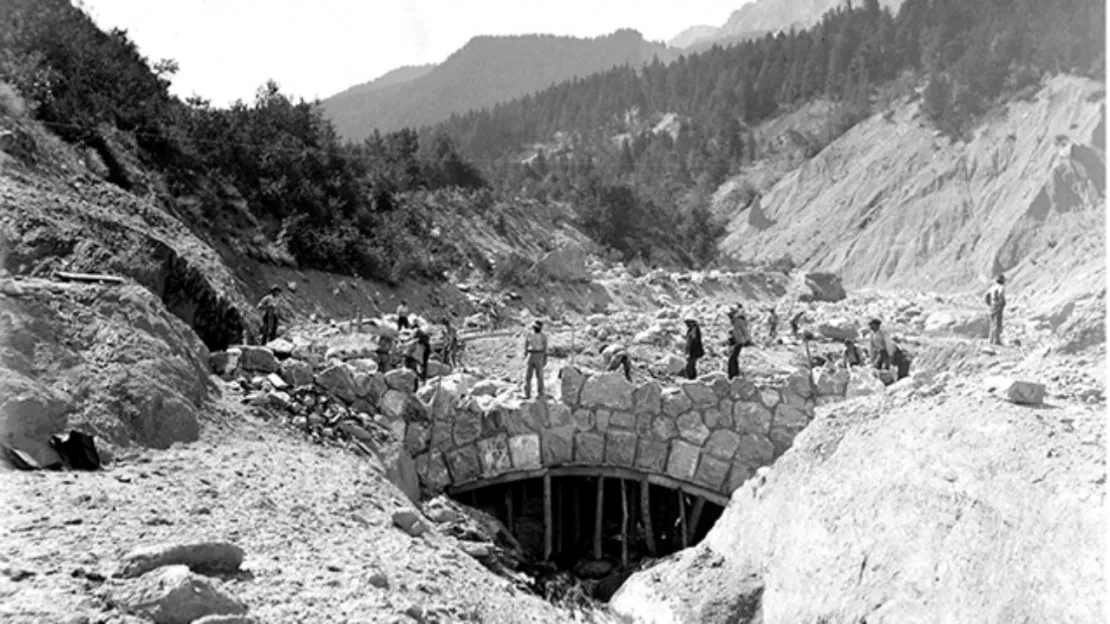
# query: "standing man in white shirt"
[[996, 300], [535, 355]]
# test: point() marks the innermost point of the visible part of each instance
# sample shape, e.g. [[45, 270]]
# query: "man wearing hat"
[[882, 347], [739, 337], [996, 300], [535, 356], [268, 305], [694, 348]]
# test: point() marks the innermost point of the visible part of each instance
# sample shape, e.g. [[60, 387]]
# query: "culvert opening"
[[584, 534]]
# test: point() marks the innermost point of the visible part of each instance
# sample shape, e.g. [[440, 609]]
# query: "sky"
[[226, 49]]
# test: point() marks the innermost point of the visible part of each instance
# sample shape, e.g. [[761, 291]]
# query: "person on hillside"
[[269, 305], [616, 356], [403, 315], [796, 322], [772, 325], [451, 343], [425, 341], [739, 337], [535, 355], [996, 301], [882, 347], [413, 354], [852, 356], [694, 348], [384, 351]]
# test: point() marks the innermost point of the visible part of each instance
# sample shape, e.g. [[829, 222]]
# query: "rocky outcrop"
[[109, 360], [904, 515], [566, 264]]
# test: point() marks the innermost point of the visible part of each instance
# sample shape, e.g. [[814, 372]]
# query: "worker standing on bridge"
[[616, 356], [996, 300], [739, 338], [535, 355], [451, 343], [694, 348], [268, 305]]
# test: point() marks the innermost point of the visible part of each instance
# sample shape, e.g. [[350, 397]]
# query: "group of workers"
[[885, 354]]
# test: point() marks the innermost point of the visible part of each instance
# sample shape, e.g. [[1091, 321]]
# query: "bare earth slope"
[[893, 203]]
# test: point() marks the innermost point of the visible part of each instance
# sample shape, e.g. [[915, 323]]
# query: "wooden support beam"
[[89, 277], [509, 509], [695, 517], [645, 510], [560, 516], [576, 518], [682, 518], [598, 510], [547, 523], [624, 526]]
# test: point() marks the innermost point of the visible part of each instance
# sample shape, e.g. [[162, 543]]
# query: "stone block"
[[557, 447], [691, 427], [648, 398], [525, 451], [711, 472], [583, 419], [609, 390], [682, 460], [432, 469], [676, 402], [740, 389], [393, 404], [494, 455], [1016, 391], [257, 359], [651, 455], [754, 450], [558, 415], [737, 475], [601, 419], [589, 448], [718, 418], [417, 437], [339, 381], [468, 426], [402, 379], [570, 381], [791, 416], [622, 420], [769, 397], [700, 394], [296, 373], [643, 424], [620, 448], [722, 444], [664, 428]]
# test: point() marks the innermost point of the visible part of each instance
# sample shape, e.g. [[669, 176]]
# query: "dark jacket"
[[694, 347]]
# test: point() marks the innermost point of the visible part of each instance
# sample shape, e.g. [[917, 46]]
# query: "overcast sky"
[[315, 48]]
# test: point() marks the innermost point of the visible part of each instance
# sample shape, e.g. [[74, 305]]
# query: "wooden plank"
[[615, 472], [576, 518], [695, 516], [560, 515], [624, 526], [682, 518], [547, 526], [598, 516], [89, 277], [645, 510]]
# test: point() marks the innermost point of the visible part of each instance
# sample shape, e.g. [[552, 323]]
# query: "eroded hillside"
[[895, 203]]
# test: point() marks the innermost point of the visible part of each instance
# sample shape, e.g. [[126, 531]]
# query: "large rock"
[[839, 329], [296, 373], [402, 379], [1016, 391], [863, 382], [672, 364], [654, 335], [570, 381], [174, 595], [200, 557], [30, 409], [566, 264], [610, 390], [257, 359], [339, 381], [821, 287], [281, 348]]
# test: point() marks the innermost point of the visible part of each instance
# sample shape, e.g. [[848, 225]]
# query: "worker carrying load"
[[886, 355], [616, 356], [739, 337], [694, 348]]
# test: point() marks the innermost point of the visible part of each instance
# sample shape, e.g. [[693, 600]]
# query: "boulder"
[[201, 557], [402, 379], [174, 595], [839, 329], [656, 334], [281, 348], [673, 364], [863, 382], [610, 390], [296, 373], [224, 363], [1016, 391], [410, 522], [438, 369], [339, 381], [821, 287], [30, 409], [260, 359], [566, 264], [491, 388]]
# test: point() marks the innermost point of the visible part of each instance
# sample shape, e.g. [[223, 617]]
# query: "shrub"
[[11, 104]]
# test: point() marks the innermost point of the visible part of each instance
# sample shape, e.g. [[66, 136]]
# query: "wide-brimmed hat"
[[537, 324], [275, 288], [874, 322]]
